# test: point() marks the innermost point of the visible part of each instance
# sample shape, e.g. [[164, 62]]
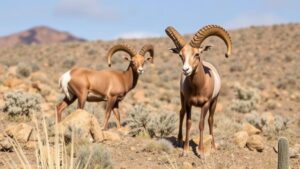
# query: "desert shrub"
[[69, 63], [21, 103], [246, 100], [35, 67], [77, 135], [261, 122], [271, 104], [100, 157], [24, 70], [163, 125], [159, 146], [139, 121]]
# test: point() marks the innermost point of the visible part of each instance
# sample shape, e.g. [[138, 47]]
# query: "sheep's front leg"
[[110, 103], [204, 110], [188, 128], [181, 117]]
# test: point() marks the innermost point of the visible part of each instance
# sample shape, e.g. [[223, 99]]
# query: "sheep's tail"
[[64, 84]]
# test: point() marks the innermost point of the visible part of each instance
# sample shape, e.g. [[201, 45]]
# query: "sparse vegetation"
[[260, 62], [164, 125], [69, 63], [20, 103], [24, 70], [139, 121], [159, 146], [246, 100], [96, 155]]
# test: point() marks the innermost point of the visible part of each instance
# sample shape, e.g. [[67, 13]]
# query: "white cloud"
[[253, 19], [137, 35], [85, 8]]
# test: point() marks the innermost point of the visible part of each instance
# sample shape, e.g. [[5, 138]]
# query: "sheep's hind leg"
[[117, 115], [110, 103], [62, 105]]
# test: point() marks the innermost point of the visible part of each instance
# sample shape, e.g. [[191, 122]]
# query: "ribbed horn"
[[212, 30], [147, 48], [176, 37], [120, 47]]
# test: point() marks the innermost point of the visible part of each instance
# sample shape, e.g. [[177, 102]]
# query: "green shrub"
[[100, 157], [21, 103]]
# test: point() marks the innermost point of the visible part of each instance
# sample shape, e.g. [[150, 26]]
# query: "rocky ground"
[[259, 101]]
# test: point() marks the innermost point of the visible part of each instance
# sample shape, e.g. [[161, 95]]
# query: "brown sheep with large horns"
[[103, 85], [200, 82]]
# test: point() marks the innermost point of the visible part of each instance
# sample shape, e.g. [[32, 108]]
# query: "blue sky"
[[110, 19]]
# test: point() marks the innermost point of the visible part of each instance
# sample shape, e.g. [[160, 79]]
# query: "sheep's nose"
[[185, 69], [140, 70]]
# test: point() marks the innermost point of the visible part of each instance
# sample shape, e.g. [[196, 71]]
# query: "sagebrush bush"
[[164, 125], [69, 63], [142, 124], [21, 103], [246, 100], [261, 122], [159, 146], [100, 157], [24, 70], [139, 121]]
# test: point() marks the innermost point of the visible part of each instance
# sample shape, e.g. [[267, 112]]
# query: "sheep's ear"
[[174, 50], [127, 58], [149, 59], [205, 48]]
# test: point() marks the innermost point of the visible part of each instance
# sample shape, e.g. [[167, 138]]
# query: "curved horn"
[[212, 30], [176, 37], [147, 48], [120, 47]]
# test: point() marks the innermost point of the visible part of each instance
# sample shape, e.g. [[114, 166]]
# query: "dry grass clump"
[[19, 103], [48, 155], [159, 146], [100, 157]]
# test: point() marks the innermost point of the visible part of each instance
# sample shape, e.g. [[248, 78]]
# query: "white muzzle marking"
[[187, 68], [140, 70]]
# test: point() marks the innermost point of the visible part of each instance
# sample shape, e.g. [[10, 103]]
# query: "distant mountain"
[[38, 35]]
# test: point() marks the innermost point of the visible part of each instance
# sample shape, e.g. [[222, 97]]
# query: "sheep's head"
[[137, 60], [190, 52]]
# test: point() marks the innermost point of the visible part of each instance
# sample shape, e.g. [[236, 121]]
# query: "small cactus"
[[283, 153]]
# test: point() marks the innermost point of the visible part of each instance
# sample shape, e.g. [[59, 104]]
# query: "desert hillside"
[[259, 98], [38, 35]]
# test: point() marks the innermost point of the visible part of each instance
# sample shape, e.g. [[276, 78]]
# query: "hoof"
[[179, 144], [184, 154], [200, 154]]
